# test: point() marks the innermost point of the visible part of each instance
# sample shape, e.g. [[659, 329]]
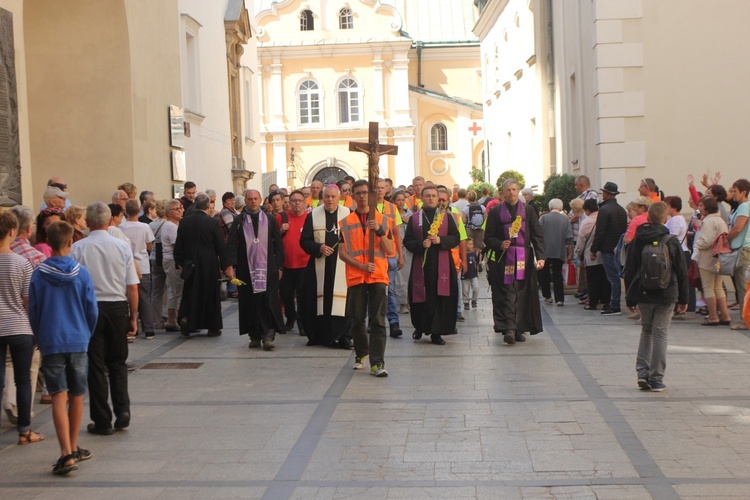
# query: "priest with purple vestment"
[[433, 285], [513, 237], [256, 250]]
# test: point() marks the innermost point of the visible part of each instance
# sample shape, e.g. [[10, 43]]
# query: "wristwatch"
[[380, 233]]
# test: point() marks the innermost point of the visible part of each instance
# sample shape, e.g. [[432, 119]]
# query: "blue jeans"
[[21, 352], [613, 276], [392, 314]]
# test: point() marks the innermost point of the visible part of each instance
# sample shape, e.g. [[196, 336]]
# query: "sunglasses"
[[52, 211]]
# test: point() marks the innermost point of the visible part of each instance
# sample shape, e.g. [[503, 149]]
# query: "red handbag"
[[694, 275], [571, 281]]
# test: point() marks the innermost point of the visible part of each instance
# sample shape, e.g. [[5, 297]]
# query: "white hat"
[[53, 191]]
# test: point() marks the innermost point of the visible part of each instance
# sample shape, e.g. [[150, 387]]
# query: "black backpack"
[[656, 265], [475, 219]]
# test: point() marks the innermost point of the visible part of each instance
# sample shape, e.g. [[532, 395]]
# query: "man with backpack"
[[657, 274], [474, 215]]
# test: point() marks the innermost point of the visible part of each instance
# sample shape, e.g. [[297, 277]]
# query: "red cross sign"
[[474, 128]]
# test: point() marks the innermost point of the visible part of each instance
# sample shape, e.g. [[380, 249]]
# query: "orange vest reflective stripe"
[[355, 242]]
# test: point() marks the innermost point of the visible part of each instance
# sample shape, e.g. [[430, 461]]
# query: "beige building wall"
[[79, 96], [657, 90]]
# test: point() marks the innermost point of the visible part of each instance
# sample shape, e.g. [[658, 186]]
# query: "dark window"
[[306, 22]]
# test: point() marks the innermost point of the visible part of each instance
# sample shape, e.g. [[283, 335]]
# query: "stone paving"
[[557, 417]]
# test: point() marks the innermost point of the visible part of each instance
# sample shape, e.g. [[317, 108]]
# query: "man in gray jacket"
[[558, 240]]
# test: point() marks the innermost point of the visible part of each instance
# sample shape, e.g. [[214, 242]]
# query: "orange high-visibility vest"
[[455, 253], [389, 211], [348, 202], [413, 203], [355, 241], [310, 203]]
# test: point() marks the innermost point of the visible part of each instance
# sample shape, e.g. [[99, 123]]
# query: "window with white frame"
[[306, 22], [191, 65], [348, 92], [309, 102], [438, 137], [346, 19]]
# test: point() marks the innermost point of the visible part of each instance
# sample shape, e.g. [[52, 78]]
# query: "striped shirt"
[[14, 288], [22, 247]]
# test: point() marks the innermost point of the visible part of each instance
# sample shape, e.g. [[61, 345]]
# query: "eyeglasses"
[[361, 193]]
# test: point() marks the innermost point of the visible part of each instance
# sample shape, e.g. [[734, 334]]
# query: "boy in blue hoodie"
[[63, 313]]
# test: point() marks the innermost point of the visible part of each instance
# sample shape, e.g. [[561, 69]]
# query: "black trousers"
[[289, 287], [108, 351], [600, 290], [552, 271]]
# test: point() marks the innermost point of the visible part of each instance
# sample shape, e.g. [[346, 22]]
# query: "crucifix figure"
[[373, 149]]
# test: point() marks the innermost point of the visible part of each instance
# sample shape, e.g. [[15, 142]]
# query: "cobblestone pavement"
[[559, 416]]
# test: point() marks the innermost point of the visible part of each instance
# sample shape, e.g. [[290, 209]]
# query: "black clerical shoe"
[[214, 333], [519, 337], [509, 337], [438, 340], [396, 330], [346, 343], [416, 335], [102, 431], [122, 420], [184, 327]]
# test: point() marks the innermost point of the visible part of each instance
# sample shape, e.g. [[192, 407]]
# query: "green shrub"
[[511, 174], [562, 187]]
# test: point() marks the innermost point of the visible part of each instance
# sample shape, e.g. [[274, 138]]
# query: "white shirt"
[[678, 226], [460, 204], [168, 237], [140, 235], [115, 231], [110, 263]]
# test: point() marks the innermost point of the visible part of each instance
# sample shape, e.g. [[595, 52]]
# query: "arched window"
[[348, 101], [306, 22], [438, 137], [309, 102], [346, 19]]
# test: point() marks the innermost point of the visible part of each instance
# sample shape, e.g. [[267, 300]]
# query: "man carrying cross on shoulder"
[[367, 282]]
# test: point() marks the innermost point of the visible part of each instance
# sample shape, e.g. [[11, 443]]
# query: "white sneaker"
[[359, 363], [379, 371]]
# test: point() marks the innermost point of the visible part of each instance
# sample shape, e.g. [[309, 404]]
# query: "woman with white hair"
[[558, 240]]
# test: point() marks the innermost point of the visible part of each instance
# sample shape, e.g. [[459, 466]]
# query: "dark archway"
[[330, 175]]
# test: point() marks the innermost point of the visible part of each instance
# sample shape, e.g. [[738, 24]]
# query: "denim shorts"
[[66, 372]]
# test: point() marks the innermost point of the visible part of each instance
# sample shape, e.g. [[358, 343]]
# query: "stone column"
[[400, 90], [377, 88]]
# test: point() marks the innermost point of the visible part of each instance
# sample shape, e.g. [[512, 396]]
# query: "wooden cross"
[[373, 149]]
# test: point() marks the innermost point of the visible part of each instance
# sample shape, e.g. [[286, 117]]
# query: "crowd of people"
[[85, 282]]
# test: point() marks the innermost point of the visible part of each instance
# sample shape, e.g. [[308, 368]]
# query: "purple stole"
[[256, 246], [418, 292], [515, 255]]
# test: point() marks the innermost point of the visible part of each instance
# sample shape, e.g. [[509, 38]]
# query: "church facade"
[[623, 89], [107, 92], [328, 68]]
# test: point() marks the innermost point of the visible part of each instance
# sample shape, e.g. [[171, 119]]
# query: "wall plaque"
[[10, 161]]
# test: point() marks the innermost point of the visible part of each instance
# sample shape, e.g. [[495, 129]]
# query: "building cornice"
[[331, 49], [488, 18], [466, 51]]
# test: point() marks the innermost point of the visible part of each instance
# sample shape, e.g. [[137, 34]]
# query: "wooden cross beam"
[[373, 149]]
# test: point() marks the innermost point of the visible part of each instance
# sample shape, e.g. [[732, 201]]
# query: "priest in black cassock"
[[325, 278], [513, 236], [199, 251], [257, 252], [433, 285]]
